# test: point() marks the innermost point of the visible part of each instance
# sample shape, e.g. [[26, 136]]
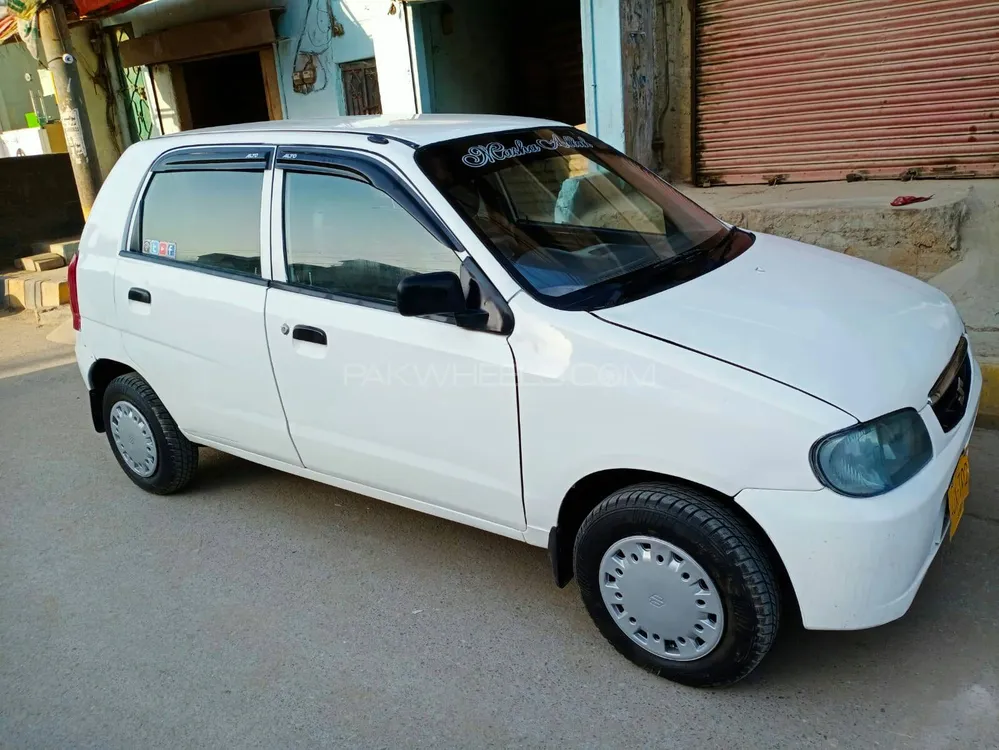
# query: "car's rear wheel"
[[145, 439], [678, 583]]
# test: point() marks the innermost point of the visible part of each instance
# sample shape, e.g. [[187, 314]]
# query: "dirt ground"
[[32, 341]]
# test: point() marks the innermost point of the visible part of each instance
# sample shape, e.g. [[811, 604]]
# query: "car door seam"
[[520, 437], [277, 385]]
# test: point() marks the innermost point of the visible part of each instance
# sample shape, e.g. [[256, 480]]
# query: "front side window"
[[578, 223], [206, 218], [347, 237]]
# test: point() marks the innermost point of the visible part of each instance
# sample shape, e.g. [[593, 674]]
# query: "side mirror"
[[437, 293]]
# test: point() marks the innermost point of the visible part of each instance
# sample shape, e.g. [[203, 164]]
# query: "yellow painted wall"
[[57, 138]]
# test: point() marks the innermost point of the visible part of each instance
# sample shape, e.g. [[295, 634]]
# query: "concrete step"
[[40, 262], [856, 218], [38, 290], [66, 247]]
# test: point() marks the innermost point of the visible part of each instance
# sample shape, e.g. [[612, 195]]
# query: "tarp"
[[25, 13], [20, 17], [104, 7], [8, 26]]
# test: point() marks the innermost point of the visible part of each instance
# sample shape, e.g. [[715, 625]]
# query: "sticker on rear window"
[[160, 248], [480, 156]]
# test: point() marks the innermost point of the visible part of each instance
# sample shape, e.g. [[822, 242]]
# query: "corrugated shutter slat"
[[812, 90]]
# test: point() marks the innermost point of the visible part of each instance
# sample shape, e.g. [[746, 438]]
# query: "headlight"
[[875, 457]]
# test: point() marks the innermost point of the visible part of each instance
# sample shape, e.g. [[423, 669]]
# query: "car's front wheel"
[[678, 583], [144, 437]]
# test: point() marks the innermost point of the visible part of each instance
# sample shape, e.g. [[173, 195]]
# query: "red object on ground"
[[905, 200], [104, 7]]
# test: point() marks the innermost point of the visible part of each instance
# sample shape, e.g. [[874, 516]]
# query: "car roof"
[[419, 130]]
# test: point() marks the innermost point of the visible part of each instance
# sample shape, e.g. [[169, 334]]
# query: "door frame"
[[268, 69]]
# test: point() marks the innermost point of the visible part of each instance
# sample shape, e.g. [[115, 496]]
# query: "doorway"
[[225, 90], [511, 57]]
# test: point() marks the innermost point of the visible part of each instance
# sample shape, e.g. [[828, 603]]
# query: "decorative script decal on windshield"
[[480, 156]]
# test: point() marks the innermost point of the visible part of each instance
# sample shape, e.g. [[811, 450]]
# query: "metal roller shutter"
[[802, 90]]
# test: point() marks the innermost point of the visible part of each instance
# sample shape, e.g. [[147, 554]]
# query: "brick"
[[53, 294], [65, 249], [37, 291], [41, 262]]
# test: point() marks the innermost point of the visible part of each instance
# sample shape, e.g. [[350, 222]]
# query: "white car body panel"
[[863, 337], [401, 404], [725, 381], [858, 562], [605, 398], [203, 345]]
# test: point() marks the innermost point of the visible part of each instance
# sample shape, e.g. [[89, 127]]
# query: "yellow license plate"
[[957, 493]]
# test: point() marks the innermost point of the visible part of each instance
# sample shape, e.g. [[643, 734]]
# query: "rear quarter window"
[[204, 218]]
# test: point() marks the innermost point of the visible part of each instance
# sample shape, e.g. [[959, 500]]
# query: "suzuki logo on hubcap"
[[656, 601]]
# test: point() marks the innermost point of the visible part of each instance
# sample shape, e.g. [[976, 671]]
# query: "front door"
[[415, 407]]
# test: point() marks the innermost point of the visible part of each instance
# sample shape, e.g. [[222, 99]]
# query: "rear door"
[[415, 407], [190, 290]]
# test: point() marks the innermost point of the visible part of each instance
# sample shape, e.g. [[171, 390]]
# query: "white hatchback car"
[[507, 323]]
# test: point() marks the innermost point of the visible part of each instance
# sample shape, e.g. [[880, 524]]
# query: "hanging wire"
[[320, 38]]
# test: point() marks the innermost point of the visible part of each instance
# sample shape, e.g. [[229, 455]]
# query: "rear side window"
[[207, 218]]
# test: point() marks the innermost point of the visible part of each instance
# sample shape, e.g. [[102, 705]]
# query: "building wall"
[[15, 100], [465, 43], [166, 113], [674, 97], [602, 73], [301, 26], [305, 27], [157, 15]]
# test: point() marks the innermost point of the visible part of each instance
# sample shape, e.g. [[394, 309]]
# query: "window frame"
[[214, 158], [346, 163]]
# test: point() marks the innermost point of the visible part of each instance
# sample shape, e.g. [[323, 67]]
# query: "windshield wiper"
[[651, 277]]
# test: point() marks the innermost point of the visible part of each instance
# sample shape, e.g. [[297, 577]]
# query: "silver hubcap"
[[661, 598], [133, 438]]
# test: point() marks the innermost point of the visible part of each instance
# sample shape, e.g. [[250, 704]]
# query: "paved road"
[[262, 610]]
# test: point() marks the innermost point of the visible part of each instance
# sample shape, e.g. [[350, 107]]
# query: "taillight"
[[74, 299]]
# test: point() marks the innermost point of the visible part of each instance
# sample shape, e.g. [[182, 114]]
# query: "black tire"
[[177, 457], [720, 542]]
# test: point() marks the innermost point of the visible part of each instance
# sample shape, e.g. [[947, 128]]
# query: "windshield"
[[570, 215]]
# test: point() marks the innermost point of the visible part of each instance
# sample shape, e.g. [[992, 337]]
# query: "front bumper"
[[857, 562]]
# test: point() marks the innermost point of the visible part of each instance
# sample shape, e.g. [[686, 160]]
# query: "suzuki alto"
[[507, 323]]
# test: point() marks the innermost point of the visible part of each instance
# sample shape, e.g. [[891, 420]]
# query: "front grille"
[[949, 395]]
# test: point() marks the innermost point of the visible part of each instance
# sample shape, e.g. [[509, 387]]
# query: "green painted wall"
[[15, 101]]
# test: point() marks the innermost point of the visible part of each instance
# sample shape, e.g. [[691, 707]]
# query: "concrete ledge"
[[922, 239], [35, 291], [40, 262]]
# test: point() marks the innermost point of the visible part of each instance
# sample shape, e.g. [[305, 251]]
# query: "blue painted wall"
[[602, 74], [464, 65], [305, 26]]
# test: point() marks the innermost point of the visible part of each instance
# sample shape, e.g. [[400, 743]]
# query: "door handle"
[[310, 334], [140, 295]]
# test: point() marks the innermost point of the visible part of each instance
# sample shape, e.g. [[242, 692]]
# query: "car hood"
[[862, 337]]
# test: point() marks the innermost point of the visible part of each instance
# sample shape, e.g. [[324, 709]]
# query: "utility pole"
[[61, 61]]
